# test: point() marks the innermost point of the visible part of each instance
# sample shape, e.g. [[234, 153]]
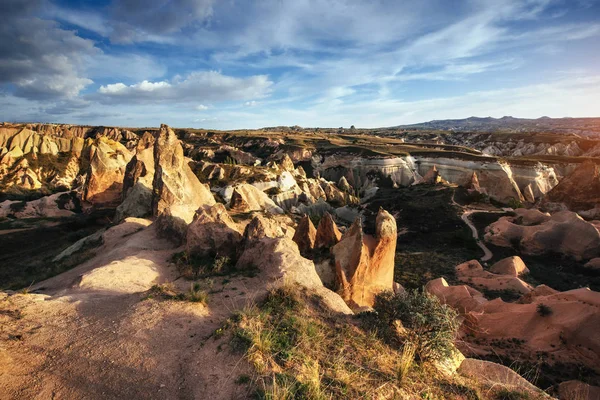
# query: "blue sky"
[[226, 64]]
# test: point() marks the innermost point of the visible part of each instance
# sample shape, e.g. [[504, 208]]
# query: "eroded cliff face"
[[501, 180]]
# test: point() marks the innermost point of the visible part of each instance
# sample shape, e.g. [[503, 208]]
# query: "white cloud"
[[201, 85], [201, 107]]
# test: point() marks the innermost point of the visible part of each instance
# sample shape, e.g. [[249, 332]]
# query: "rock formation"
[[213, 233], [137, 183], [246, 198], [365, 264], [580, 190], [564, 232], [513, 266], [305, 235], [473, 274], [261, 227], [175, 187], [569, 325], [327, 234], [104, 179]]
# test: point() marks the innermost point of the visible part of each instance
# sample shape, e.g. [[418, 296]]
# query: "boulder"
[[472, 273], [286, 163], [213, 233], [564, 232], [327, 234], [577, 390], [494, 375], [246, 198], [513, 266], [175, 187], [333, 194], [104, 178], [432, 177], [344, 185], [538, 291], [594, 263], [279, 262], [305, 235], [365, 264], [462, 298], [261, 227]]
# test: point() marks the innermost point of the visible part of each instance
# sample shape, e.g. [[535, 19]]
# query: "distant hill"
[[585, 127]]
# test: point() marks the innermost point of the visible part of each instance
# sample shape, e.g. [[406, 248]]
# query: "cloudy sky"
[[245, 64]]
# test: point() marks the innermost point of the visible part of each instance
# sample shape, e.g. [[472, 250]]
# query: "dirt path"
[[487, 253]]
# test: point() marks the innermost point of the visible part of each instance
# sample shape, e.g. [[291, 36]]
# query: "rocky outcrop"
[[175, 187], [569, 325], [512, 266], [104, 178], [246, 198], [365, 264], [577, 390], [495, 176], [305, 235], [463, 298], [579, 191], [53, 206], [594, 263], [138, 180], [432, 177], [496, 375], [564, 232], [279, 262], [213, 233], [261, 227], [344, 185], [286, 163], [327, 234], [473, 274]]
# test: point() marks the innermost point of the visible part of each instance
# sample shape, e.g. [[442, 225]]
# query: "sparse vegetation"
[[415, 318], [193, 267], [544, 310], [300, 350], [168, 291]]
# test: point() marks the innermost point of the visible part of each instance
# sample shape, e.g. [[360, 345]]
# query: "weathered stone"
[[565, 232], [286, 163], [579, 190], [327, 234], [104, 178], [513, 266], [279, 262], [577, 390], [261, 227], [305, 235], [344, 185], [213, 233], [175, 187], [246, 198], [365, 264]]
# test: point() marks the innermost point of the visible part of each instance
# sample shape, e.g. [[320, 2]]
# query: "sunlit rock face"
[[564, 232], [175, 187], [501, 180], [104, 178], [364, 263]]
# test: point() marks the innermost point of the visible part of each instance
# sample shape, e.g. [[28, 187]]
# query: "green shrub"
[[544, 310], [419, 318]]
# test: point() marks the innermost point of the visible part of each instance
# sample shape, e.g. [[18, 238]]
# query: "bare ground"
[[74, 341]]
